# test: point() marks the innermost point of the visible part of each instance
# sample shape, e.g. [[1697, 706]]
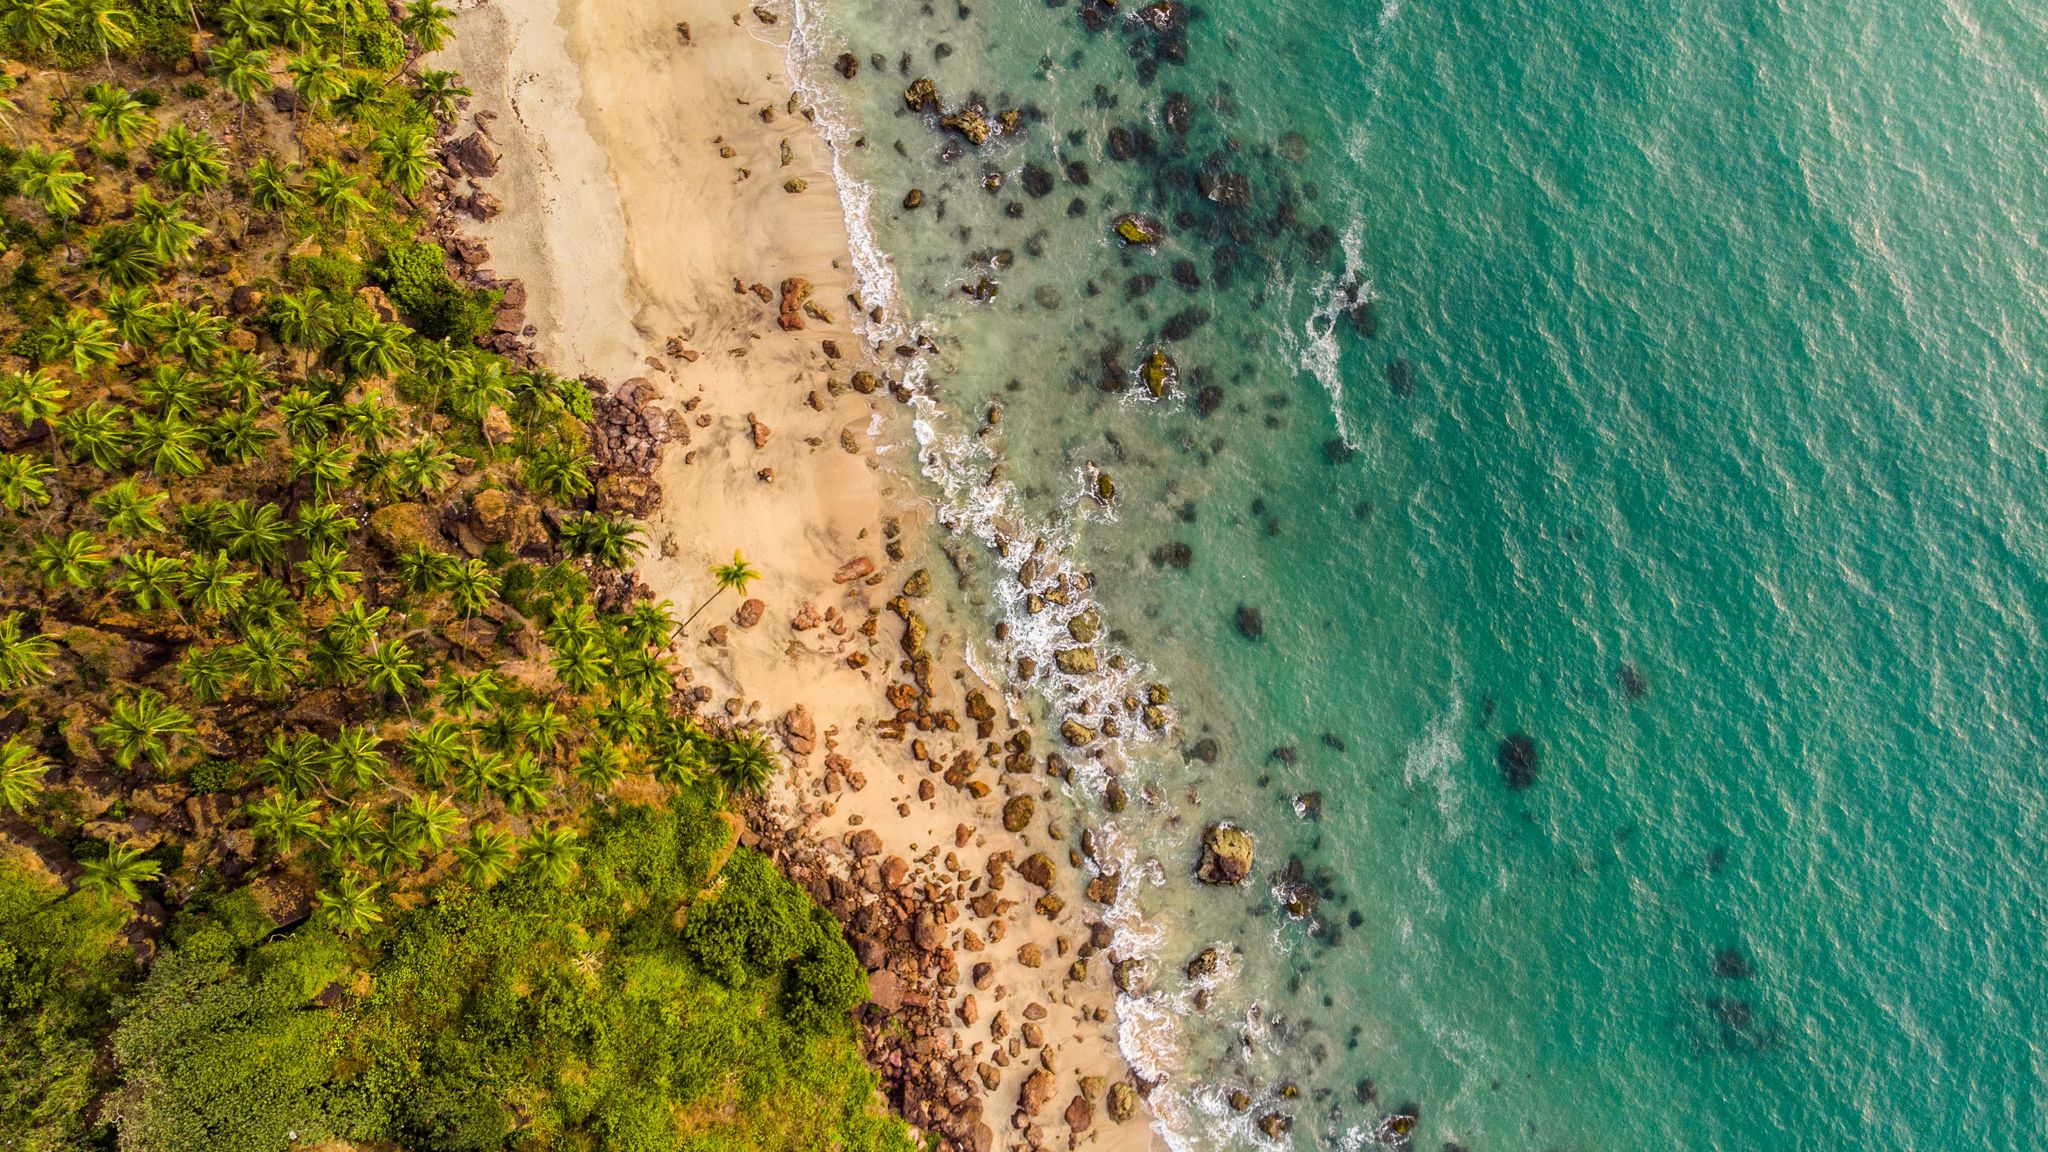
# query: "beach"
[[671, 216]]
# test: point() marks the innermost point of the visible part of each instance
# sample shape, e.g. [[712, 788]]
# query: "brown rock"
[[858, 568], [969, 1011], [474, 154], [1036, 1093], [1031, 955], [895, 870], [886, 990], [799, 731], [1123, 1101], [1039, 869], [397, 528], [1079, 1115], [750, 613], [1102, 889], [1226, 855], [1017, 813], [864, 843], [759, 431]]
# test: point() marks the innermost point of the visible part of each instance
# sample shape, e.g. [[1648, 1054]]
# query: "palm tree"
[[558, 471], [271, 190], [678, 757], [625, 721], [393, 671], [50, 177], [746, 762], [374, 420], [424, 823], [107, 26], [543, 728], [350, 907], [326, 573], [80, 337], [116, 116], [600, 767], [172, 391], [266, 660], [161, 225], [335, 659], [487, 856], [438, 90], [308, 415], [255, 533], [426, 21], [244, 72], [33, 395], [526, 785], [267, 604], [23, 481], [734, 576], [431, 750], [403, 158], [610, 541], [212, 585], [168, 445], [205, 672], [328, 466], [190, 160], [349, 834], [300, 22], [283, 819], [120, 873], [422, 467], [292, 764], [472, 584], [648, 625], [478, 774], [36, 24], [75, 559], [581, 666], [338, 193], [369, 348], [237, 438], [149, 580], [242, 378], [123, 257], [22, 769], [24, 658], [550, 853], [467, 694], [247, 20], [94, 433], [136, 318], [194, 334], [353, 760], [322, 525], [129, 510], [358, 623], [144, 726], [318, 76]]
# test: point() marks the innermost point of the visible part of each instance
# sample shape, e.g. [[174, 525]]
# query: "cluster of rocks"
[[900, 917], [627, 434]]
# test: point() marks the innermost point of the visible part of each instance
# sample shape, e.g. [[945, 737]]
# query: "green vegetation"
[[310, 702]]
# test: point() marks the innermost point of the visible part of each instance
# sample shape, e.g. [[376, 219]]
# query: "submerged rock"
[[1138, 230], [1250, 622], [1516, 757], [922, 95], [1159, 373], [968, 122], [1226, 855]]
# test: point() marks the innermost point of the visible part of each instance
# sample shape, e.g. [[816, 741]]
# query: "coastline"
[[658, 200]]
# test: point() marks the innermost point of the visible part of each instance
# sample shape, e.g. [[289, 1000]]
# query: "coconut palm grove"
[[325, 822]]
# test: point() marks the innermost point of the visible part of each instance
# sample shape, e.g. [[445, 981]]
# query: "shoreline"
[[669, 212]]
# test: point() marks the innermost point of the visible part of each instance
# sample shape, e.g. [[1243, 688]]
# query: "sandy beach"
[[662, 193]]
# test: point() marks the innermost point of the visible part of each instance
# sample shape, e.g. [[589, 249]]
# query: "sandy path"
[[629, 227]]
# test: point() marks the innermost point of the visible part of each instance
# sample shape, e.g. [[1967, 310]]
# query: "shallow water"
[[1714, 467]]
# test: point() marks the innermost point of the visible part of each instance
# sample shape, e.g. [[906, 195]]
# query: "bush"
[[337, 274], [416, 277], [61, 968], [211, 776], [376, 45], [825, 983], [757, 924]]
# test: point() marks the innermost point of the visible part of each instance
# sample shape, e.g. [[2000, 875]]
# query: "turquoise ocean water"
[[1693, 440]]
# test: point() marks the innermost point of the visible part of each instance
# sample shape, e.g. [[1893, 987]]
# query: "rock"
[[750, 613], [473, 155], [885, 989], [481, 205], [895, 870], [1076, 733], [864, 843], [968, 122], [1180, 112], [1039, 869], [1085, 626], [1037, 181], [1075, 661], [1102, 889], [1731, 964], [497, 427], [922, 95], [1123, 1101], [969, 1011], [1276, 1125], [1226, 855], [795, 292], [1134, 229], [1017, 813], [1159, 373], [1079, 1115], [758, 431], [1400, 378], [108, 655], [799, 731], [925, 931], [1031, 955], [1250, 623], [858, 568], [1036, 1092], [398, 528], [914, 199], [1516, 757], [1207, 962], [245, 300], [848, 65], [634, 495]]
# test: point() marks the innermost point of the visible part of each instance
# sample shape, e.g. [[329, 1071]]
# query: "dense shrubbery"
[[416, 276], [61, 967], [577, 1010]]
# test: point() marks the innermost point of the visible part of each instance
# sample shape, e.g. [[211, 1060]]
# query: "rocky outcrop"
[[1226, 855], [627, 435]]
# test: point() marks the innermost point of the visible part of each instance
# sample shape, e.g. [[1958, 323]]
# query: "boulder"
[[858, 568], [1123, 1101], [1079, 1115], [864, 843], [398, 528], [1039, 869], [750, 613], [1516, 757], [885, 989], [1017, 813], [1075, 661], [922, 95], [473, 155], [1036, 1092], [968, 122], [799, 731], [1138, 230], [1226, 855]]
